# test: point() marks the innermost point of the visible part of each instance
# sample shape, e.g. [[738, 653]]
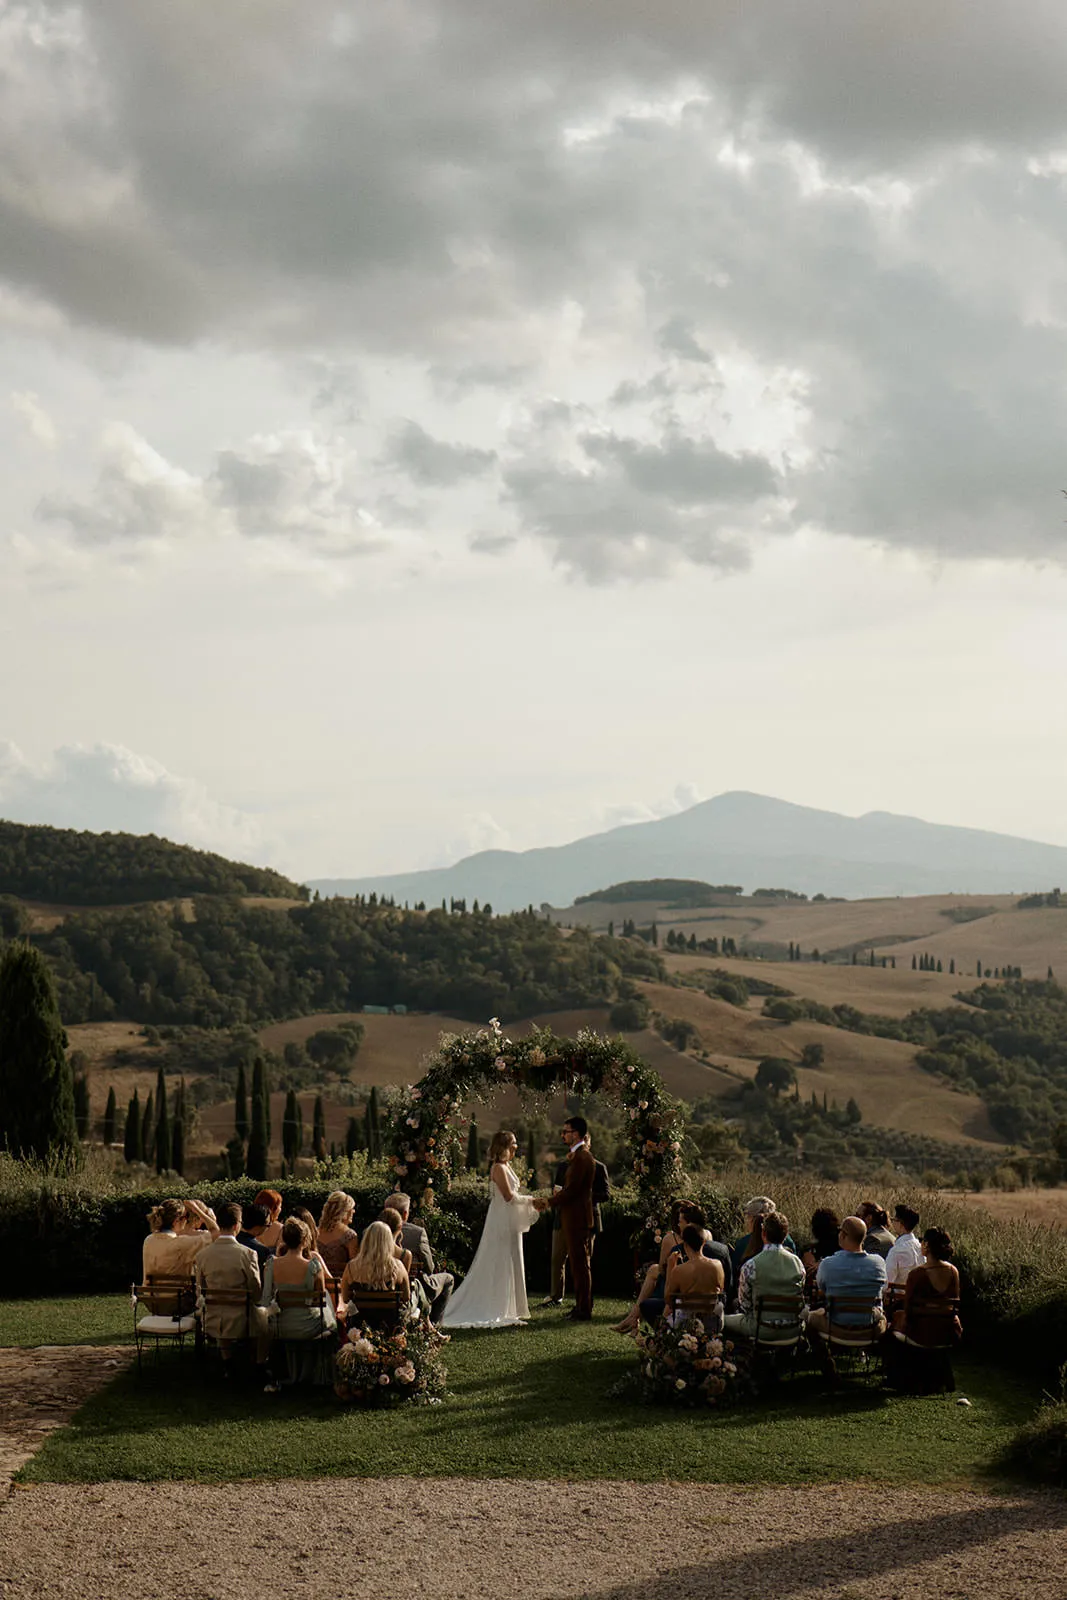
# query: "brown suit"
[[575, 1204]]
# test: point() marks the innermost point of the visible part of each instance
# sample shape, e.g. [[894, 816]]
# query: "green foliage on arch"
[[425, 1143]]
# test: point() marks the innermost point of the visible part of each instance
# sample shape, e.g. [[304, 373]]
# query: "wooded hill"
[[65, 867]]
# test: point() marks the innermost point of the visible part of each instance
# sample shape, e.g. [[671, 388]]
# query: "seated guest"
[[395, 1223], [694, 1273], [929, 1292], [906, 1252], [272, 1203], [776, 1270], [302, 1214], [227, 1265], [825, 1227], [438, 1286], [295, 1266], [655, 1272], [254, 1220], [850, 1274], [694, 1214], [338, 1240], [751, 1243], [374, 1266], [180, 1230], [879, 1240]]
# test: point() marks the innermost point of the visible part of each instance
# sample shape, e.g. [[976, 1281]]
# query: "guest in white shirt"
[[906, 1252]]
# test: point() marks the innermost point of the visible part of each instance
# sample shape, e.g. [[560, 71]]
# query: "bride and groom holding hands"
[[493, 1294]]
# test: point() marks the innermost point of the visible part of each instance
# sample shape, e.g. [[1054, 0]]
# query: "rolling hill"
[[741, 838]]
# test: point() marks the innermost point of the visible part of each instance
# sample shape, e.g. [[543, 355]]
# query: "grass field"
[[881, 1074], [1045, 1207], [528, 1403]]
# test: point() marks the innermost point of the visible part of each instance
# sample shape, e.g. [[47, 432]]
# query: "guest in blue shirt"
[[851, 1274]]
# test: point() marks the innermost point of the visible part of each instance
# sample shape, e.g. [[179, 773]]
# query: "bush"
[[1039, 1449]]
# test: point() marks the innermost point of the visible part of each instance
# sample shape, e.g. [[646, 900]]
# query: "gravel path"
[[41, 1389], [456, 1539]]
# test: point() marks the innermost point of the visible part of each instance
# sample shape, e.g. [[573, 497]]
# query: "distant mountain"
[[741, 838], [66, 867]]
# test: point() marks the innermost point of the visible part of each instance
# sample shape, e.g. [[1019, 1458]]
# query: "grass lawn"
[[527, 1403], [87, 1319]]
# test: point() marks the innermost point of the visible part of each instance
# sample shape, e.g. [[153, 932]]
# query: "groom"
[[575, 1204]]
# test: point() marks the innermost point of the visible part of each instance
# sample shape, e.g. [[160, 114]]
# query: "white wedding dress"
[[493, 1294]]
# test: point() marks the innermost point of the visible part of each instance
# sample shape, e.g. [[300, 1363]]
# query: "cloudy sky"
[[428, 426]]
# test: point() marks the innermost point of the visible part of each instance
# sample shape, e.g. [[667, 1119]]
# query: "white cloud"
[[39, 424], [107, 788]]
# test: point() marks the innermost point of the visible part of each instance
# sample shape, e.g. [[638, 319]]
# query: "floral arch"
[[425, 1144]]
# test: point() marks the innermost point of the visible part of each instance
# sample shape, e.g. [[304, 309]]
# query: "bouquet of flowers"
[[687, 1365], [381, 1366]]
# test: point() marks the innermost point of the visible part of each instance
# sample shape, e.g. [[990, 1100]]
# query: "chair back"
[[227, 1300], [778, 1318], [860, 1335], [931, 1325], [304, 1300], [167, 1294], [376, 1308], [706, 1307]]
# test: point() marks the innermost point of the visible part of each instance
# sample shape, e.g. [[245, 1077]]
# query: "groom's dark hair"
[[580, 1126]]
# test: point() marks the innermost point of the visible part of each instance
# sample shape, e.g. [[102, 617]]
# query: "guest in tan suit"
[[226, 1264]]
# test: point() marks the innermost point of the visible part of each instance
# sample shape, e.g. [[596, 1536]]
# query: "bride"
[[493, 1294]]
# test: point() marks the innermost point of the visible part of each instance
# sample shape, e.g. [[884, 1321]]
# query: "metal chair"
[[308, 1359], [705, 1308], [779, 1329], [375, 1308], [223, 1300], [169, 1304], [855, 1342], [919, 1355]]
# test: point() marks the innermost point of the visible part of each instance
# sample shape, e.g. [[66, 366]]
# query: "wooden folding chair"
[[779, 1329], [308, 1359], [920, 1354], [375, 1308], [705, 1308], [854, 1342], [223, 1300], [169, 1306]]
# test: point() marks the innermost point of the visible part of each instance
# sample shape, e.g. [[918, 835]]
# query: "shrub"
[[1039, 1449]]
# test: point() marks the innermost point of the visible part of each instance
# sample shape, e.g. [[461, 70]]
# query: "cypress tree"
[[318, 1137], [531, 1158], [36, 1081], [110, 1117], [148, 1128], [240, 1108], [291, 1131], [374, 1143], [473, 1152], [914, 964], [258, 1138], [353, 1137], [82, 1110], [131, 1138], [177, 1131], [162, 1141]]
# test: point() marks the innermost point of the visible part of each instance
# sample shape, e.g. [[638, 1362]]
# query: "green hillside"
[[675, 892], [64, 867]]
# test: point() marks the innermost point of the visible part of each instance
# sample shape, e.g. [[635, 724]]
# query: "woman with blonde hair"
[[493, 1294], [374, 1266], [298, 1267], [338, 1240], [180, 1230]]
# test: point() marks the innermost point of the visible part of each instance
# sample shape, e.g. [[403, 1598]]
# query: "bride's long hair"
[[498, 1145]]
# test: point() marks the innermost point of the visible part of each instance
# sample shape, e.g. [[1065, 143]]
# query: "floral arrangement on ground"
[[687, 1365], [425, 1140], [384, 1366]]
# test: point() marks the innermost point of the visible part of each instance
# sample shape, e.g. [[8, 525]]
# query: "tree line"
[[65, 867]]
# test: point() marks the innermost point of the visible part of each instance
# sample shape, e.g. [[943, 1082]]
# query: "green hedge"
[[65, 1238]]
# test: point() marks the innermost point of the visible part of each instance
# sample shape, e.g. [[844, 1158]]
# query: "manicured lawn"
[[88, 1319], [531, 1403]]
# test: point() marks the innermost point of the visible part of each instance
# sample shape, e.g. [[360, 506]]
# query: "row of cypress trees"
[[154, 1133]]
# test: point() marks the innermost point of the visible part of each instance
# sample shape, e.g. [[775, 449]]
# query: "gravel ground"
[[456, 1539]]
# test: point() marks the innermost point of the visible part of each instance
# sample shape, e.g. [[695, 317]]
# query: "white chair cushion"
[[159, 1326]]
